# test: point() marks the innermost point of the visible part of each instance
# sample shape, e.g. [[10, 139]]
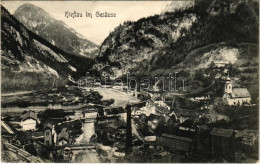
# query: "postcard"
[[130, 81]]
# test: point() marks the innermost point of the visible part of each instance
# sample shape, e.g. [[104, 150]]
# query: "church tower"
[[228, 85]]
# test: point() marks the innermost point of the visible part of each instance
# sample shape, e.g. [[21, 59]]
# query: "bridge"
[[89, 120], [82, 147]]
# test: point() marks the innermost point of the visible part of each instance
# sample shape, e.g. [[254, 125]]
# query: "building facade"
[[235, 96]]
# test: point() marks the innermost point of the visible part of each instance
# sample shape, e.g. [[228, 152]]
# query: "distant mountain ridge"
[[55, 31], [29, 62]]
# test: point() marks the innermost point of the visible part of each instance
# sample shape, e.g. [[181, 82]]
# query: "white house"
[[55, 106], [235, 96], [29, 121], [221, 63], [63, 137]]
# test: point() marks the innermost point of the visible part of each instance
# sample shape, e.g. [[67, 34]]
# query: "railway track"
[[22, 154]]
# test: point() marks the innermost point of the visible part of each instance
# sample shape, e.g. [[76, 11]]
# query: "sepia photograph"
[[147, 81]]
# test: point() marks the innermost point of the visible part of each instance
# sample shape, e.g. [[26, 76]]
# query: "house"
[[214, 116], [136, 111], [153, 120], [107, 120], [29, 121], [162, 110], [200, 98], [235, 96], [23, 138], [54, 106], [48, 134], [150, 138], [247, 142], [78, 114], [185, 114], [188, 125], [63, 137], [223, 143], [168, 141], [115, 112], [218, 76], [220, 64], [90, 114], [249, 137], [148, 109]]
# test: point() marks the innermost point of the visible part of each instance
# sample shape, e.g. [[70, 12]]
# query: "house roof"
[[188, 123], [47, 126], [173, 141], [53, 121], [64, 134], [115, 111], [153, 117], [176, 137], [118, 125], [139, 105], [162, 110], [222, 132], [23, 137], [185, 112], [29, 114], [248, 131], [240, 93]]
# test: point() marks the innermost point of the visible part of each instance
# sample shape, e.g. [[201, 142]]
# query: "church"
[[235, 96]]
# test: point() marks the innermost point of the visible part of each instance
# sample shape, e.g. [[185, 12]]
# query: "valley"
[[181, 86]]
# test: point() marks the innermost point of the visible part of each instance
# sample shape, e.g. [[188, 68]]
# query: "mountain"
[[158, 44], [29, 62], [178, 5], [55, 31]]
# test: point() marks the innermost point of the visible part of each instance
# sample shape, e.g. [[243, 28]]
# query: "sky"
[[95, 29]]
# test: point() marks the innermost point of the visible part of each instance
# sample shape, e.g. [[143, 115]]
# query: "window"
[[47, 133]]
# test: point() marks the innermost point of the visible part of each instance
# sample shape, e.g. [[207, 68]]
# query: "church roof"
[[240, 93]]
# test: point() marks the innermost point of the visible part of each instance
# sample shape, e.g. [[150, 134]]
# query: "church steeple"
[[228, 85]]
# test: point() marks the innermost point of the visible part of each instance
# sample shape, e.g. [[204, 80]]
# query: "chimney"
[[128, 129]]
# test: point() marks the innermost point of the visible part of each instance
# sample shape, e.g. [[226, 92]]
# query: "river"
[[90, 156], [85, 156], [88, 131]]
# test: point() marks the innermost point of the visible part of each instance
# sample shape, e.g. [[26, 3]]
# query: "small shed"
[[223, 143]]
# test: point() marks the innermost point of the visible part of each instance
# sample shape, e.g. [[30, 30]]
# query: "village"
[[216, 124]]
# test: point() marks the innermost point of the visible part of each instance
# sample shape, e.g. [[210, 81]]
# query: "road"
[[17, 93]]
